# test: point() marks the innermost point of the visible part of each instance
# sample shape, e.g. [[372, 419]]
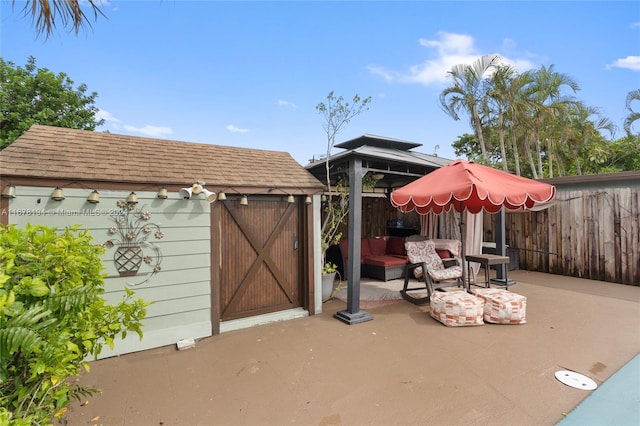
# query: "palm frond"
[[45, 13], [71, 301], [21, 332]]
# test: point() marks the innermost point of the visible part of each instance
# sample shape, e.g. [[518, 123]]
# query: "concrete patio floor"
[[401, 368]]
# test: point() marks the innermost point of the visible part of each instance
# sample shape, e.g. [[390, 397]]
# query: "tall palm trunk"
[[503, 151], [529, 155], [479, 135], [538, 146], [516, 152]]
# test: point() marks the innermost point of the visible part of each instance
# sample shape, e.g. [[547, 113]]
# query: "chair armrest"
[[448, 263], [412, 266]]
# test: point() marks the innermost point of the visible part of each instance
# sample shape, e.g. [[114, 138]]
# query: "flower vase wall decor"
[[132, 230]]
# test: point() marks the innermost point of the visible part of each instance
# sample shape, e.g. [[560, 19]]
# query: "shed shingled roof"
[[61, 153]]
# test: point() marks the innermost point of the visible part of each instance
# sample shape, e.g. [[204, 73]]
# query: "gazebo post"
[[353, 314], [500, 242]]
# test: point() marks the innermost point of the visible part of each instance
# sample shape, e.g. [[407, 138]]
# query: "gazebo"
[[394, 164]]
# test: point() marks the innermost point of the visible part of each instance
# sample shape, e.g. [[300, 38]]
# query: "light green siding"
[[180, 291]]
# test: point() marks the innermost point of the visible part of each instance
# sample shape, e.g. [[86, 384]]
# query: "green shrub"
[[52, 318]]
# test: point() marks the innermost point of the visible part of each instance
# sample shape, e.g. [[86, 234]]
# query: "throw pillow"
[[395, 245], [378, 246]]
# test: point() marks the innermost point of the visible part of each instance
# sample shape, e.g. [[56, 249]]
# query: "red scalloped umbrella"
[[468, 186]]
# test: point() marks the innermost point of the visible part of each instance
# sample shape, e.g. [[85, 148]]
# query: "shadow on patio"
[[401, 368]]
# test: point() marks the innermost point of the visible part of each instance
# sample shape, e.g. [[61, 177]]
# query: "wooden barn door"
[[261, 256]]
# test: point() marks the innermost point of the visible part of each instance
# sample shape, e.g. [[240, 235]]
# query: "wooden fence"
[[592, 231]]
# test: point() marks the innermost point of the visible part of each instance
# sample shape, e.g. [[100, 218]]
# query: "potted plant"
[[336, 210], [328, 279]]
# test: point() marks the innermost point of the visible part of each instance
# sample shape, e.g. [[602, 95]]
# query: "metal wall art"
[[132, 231]]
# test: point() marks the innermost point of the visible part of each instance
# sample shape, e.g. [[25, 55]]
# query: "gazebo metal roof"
[[379, 141], [390, 157]]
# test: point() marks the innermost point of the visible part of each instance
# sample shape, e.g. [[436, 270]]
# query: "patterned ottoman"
[[502, 306], [456, 308]]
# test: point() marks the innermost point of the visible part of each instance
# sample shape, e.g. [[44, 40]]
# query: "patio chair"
[[429, 268]]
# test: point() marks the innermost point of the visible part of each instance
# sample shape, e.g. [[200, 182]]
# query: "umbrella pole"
[[463, 237]]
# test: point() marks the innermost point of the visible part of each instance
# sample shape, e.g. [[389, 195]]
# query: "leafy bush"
[[52, 318]]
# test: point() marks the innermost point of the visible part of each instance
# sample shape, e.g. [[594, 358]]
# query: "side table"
[[486, 260]]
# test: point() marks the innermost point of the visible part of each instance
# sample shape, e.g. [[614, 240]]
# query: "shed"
[[236, 245]]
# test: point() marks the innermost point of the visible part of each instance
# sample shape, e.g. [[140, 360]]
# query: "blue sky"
[[249, 74]]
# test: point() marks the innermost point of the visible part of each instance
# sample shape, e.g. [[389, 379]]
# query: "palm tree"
[[511, 97], [521, 105], [469, 93], [45, 13], [578, 129], [548, 84], [499, 103], [634, 95]]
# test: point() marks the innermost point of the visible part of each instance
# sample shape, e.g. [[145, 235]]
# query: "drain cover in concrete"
[[575, 380]]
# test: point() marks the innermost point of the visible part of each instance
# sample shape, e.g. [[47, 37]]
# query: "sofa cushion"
[[344, 248], [365, 249], [384, 260], [377, 246], [404, 258], [395, 245]]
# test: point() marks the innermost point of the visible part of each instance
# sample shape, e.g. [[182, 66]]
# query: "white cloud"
[[435, 71], [630, 62], [148, 130], [451, 44], [112, 123], [381, 72], [451, 49], [235, 129], [635, 25], [106, 116], [519, 64], [284, 103]]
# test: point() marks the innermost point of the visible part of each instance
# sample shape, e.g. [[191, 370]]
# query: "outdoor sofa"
[[383, 258]]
